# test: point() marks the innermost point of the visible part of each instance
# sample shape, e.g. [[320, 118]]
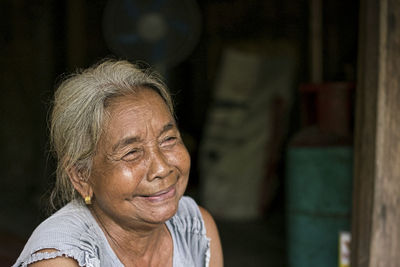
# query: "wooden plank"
[[365, 133], [376, 209], [316, 41], [385, 237]]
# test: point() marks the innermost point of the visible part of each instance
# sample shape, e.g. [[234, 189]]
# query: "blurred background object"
[[161, 33], [254, 86]]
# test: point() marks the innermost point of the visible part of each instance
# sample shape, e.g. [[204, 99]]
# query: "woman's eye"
[[132, 155], [169, 141]]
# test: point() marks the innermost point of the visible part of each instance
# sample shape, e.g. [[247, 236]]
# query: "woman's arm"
[[217, 259]]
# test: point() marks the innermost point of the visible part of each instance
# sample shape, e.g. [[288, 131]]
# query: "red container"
[[328, 105]]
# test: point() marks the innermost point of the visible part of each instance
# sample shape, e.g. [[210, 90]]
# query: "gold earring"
[[88, 200]]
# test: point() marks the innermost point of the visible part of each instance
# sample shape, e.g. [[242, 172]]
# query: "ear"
[[80, 182]]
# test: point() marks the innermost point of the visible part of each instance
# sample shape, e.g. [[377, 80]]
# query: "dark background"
[[42, 39]]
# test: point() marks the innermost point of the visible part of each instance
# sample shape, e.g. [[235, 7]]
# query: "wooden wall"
[[376, 214]]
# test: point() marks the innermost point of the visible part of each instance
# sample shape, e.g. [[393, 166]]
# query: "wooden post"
[[315, 46], [376, 206]]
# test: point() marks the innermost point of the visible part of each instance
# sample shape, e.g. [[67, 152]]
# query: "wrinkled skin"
[[139, 173], [141, 167]]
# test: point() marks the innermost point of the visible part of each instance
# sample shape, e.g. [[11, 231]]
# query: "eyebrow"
[[134, 139], [170, 125]]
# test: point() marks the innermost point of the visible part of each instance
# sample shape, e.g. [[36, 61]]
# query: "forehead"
[[132, 114], [144, 97]]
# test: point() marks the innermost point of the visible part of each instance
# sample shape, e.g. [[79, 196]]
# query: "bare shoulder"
[[59, 261], [216, 259]]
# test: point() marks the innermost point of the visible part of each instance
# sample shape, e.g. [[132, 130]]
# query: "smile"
[[161, 195]]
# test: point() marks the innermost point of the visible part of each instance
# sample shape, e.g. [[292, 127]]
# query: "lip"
[[161, 195]]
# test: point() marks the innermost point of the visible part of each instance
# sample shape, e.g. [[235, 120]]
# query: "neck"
[[141, 245]]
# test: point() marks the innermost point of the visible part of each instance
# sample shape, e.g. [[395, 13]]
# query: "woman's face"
[[141, 167]]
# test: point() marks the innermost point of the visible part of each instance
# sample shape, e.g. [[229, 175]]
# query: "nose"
[[159, 167]]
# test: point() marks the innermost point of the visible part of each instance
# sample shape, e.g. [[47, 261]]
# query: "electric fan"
[[160, 32]]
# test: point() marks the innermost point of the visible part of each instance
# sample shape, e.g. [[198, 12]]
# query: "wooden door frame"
[[376, 196]]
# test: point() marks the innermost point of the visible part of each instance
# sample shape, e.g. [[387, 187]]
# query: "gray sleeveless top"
[[74, 232]]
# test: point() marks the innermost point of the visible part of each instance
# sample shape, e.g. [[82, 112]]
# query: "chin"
[[164, 211]]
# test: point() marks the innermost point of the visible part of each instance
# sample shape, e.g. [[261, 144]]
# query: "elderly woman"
[[122, 172]]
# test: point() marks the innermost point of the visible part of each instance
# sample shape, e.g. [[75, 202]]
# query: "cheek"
[[127, 173], [187, 160], [182, 160], [184, 168], [116, 180], [129, 177]]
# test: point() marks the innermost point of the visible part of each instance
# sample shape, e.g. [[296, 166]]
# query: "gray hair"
[[79, 112]]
